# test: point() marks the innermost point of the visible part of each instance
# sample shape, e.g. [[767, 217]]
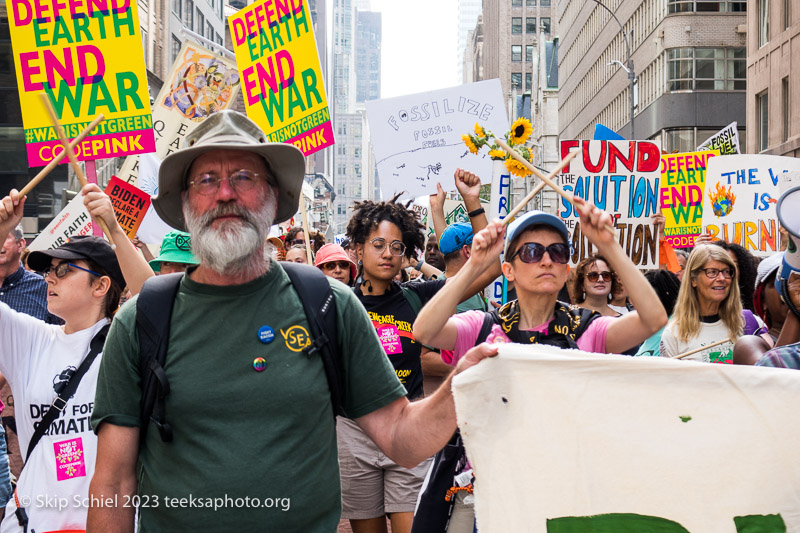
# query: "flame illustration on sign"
[[722, 200]]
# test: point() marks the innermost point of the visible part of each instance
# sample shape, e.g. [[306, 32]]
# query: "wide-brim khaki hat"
[[229, 130]]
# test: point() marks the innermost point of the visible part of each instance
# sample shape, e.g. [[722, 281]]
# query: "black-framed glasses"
[[294, 242], [713, 273], [532, 252], [242, 181], [594, 276], [379, 244], [61, 270], [332, 265]]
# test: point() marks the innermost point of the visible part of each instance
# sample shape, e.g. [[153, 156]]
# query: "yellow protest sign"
[[280, 72], [88, 58], [683, 177]]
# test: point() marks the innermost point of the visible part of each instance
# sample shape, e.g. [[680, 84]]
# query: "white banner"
[[566, 441], [741, 192], [73, 220], [417, 138]]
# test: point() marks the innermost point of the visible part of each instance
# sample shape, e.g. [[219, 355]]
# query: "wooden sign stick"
[[57, 159], [547, 179], [686, 354], [71, 155]]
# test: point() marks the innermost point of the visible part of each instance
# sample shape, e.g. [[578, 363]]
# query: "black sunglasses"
[[532, 252]]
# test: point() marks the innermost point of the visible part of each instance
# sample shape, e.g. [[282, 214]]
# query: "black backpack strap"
[[58, 405], [153, 313], [319, 304], [413, 299], [490, 318]]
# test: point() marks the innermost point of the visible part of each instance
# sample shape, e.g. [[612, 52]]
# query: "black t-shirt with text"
[[393, 317]]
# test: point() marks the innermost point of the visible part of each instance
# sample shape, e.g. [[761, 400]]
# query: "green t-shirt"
[[239, 433]]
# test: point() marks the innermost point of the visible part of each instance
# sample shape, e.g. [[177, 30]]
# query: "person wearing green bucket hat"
[[175, 255]]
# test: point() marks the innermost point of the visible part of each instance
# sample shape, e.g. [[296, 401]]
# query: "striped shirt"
[[782, 357], [26, 292]]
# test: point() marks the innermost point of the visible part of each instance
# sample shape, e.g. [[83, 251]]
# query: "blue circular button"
[[266, 334]]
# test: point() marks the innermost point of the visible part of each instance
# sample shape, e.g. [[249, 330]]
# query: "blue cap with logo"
[[532, 218], [455, 237]]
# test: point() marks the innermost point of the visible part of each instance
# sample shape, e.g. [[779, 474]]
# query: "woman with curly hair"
[[593, 284], [372, 485], [709, 309]]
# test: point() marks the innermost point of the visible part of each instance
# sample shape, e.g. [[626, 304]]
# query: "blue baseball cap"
[[454, 237], [532, 218]]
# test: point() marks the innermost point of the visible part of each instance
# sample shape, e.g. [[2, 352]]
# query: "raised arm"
[[432, 326], [10, 213], [650, 316], [469, 186], [134, 266], [437, 211], [114, 479]]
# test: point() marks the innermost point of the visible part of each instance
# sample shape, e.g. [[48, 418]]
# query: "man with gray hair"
[[21, 290], [252, 443]]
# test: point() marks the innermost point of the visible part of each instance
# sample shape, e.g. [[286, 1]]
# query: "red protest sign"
[[130, 204]]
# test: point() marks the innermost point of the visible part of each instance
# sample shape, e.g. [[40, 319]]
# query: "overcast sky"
[[420, 38]]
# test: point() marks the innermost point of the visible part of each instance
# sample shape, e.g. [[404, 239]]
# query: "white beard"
[[234, 248]]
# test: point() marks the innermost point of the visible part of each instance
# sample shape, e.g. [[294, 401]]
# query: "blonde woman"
[[708, 310]]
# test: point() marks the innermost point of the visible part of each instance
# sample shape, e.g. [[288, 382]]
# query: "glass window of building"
[[787, 14], [176, 7], [188, 15], [176, 47], [528, 81], [530, 25], [200, 21], [545, 25], [709, 69], [786, 108], [762, 115], [529, 52], [680, 140], [706, 69], [516, 52], [763, 22], [545, 3], [516, 80], [530, 3], [516, 3], [516, 25], [687, 6]]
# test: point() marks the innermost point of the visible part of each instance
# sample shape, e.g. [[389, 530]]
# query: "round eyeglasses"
[[379, 244], [241, 181]]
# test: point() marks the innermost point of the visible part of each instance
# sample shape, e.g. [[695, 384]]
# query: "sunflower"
[[470, 144], [516, 168], [520, 131], [479, 130], [497, 153]]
